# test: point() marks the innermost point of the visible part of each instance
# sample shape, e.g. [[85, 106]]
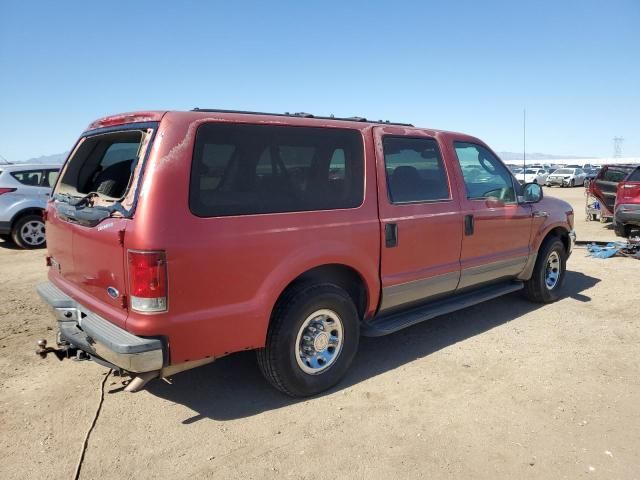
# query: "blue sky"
[[461, 65]]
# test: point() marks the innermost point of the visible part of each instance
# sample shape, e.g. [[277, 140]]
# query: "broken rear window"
[[103, 165]]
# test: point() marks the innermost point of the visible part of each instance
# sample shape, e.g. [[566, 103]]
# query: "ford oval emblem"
[[113, 292]]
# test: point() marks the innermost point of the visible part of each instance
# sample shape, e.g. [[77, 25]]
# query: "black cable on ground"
[[85, 443]]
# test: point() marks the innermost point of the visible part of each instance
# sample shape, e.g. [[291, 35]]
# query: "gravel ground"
[[506, 389]]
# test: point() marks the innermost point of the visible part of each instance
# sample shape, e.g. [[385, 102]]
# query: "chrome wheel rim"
[[552, 271], [319, 341], [32, 233]]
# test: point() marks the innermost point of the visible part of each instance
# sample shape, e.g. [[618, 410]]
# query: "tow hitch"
[[65, 350]]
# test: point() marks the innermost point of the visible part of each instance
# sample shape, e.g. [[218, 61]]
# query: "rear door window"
[[31, 178], [484, 174], [415, 171], [251, 169], [614, 175]]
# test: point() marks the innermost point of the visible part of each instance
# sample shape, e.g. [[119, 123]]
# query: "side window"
[[29, 177], [242, 169], [613, 175], [415, 172], [484, 174], [49, 178], [635, 176]]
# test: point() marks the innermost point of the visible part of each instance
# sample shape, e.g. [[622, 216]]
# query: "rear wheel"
[[312, 340], [28, 232], [548, 273]]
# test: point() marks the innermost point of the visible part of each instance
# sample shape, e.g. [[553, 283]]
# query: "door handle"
[[391, 235], [469, 225]]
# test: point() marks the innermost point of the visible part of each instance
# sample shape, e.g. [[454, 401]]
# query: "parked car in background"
[[566, 177], [617, 188], [287, 234], [590, 173], [605, 186], [24, 191], [532, 175], [626, 217]]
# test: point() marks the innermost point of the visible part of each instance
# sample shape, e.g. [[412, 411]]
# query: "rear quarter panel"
[[225, 274]]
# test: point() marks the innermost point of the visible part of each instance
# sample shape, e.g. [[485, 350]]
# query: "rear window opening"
[[103, 165]]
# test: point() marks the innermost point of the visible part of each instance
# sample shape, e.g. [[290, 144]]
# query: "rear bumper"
[[572, 241], [627, 214], [5, 228], [100, 338]]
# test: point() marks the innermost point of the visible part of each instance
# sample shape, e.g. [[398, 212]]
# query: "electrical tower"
[[617, 147]]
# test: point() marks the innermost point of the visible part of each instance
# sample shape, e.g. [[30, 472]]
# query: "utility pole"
[[617, 147]]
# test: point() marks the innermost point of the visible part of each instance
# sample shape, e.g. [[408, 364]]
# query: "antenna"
[[4, 160], [617, 147], [524, 139]]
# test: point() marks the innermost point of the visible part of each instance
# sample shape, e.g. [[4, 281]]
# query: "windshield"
[[531, 171], [564, 171]]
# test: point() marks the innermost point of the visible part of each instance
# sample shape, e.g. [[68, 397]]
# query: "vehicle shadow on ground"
[[233, 387], [9, 245]]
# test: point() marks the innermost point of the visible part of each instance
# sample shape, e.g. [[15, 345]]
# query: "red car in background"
[[617, 187]]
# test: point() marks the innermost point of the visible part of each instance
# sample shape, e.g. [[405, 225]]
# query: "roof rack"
[[303, 115]]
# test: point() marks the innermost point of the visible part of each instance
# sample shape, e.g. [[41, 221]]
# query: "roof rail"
[[302, 115]]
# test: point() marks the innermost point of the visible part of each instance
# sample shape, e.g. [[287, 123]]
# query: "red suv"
[[176, 238]]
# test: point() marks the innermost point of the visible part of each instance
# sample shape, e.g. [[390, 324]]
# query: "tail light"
[[628, 191], [7, 190], [147, 281]]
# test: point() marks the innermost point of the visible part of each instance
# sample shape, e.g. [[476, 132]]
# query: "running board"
[[390, 323]]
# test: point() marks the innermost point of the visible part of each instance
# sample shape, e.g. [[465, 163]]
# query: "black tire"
[[572, 183], [536, 288], [277, 360], [21, 228], [620, 230]]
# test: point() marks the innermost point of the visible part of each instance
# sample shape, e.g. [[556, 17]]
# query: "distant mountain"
[[537, 156], [58, 158]]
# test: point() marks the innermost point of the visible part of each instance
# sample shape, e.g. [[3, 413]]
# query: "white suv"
[[24, 191]]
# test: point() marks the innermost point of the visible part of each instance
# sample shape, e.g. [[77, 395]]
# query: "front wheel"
[[548, 273], [312, 340]]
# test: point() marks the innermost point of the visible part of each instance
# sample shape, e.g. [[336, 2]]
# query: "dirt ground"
[[506, 389]]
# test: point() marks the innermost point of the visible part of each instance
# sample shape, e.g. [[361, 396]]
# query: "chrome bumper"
[[100, 338], [572, 240]]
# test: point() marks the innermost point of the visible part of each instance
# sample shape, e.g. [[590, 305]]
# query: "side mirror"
[[532, 193]]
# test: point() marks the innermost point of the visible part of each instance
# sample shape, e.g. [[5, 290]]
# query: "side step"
[[390, 323]]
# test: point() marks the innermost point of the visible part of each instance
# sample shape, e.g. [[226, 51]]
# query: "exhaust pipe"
[[138, 382]]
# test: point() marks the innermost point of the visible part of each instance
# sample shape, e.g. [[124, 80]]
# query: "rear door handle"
[[469, 225], [391, 235]]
